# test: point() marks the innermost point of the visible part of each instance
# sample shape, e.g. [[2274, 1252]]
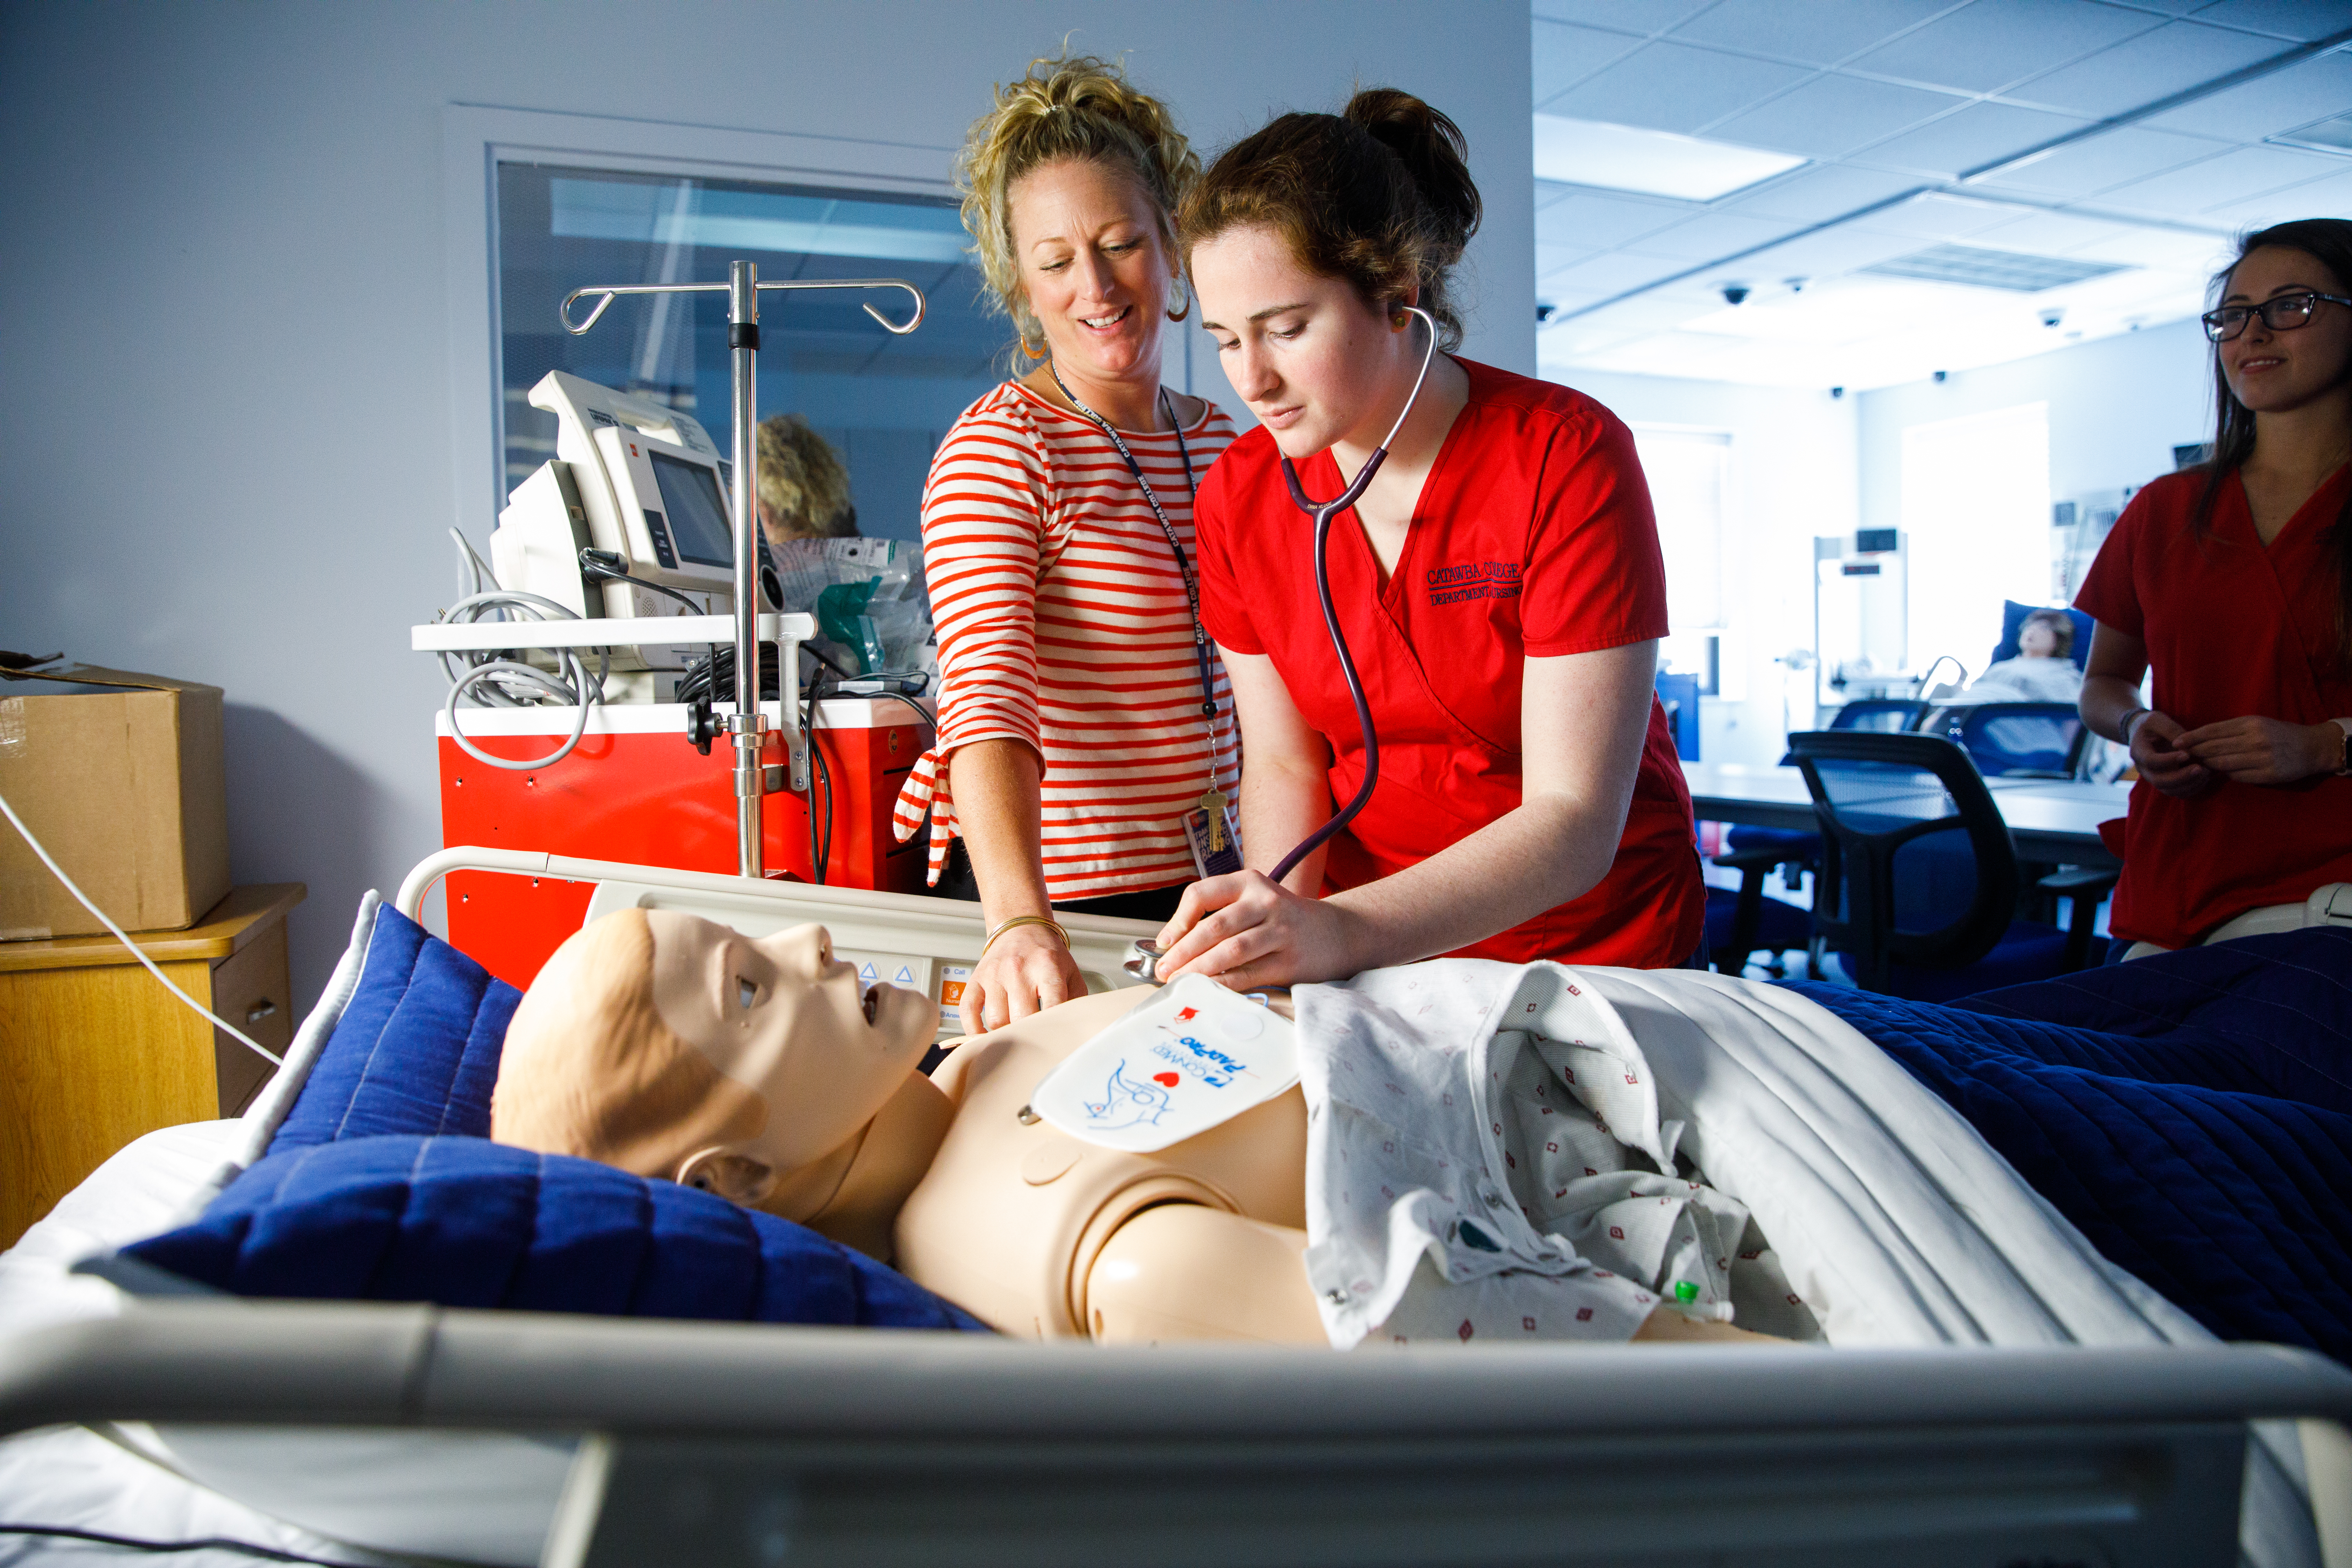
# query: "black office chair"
[[1919, 882], [1755, 851], [1887, 715], [2019, 740]]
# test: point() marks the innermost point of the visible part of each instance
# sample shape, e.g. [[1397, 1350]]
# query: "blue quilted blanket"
[[2190, 1114]]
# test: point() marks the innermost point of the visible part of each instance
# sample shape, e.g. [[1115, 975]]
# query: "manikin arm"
[[1183, 1271]]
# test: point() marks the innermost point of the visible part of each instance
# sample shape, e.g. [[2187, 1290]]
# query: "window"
[[1975, 505], [884, 402], [1686, 471]]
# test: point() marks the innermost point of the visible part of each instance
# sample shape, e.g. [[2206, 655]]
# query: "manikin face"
[[2275, 372], [1313, 362], [1095, 269], [2036, 640], [785, 1020]]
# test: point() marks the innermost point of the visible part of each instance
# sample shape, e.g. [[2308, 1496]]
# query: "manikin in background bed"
[[677, 1049]]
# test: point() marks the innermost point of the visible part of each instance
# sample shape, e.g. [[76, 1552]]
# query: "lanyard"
[[1183, 565]]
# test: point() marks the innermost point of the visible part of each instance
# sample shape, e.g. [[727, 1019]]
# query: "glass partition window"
[[1685, 470], [883, 402], [1976, 507]]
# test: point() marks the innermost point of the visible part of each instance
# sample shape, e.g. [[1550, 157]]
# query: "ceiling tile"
[[1672, 87], [2234, 176], [2300, 19], [1830, 115], [1613, 272], [2172, 249], [1643, 17], [2108, 159], [1935, 216], [2173, 58], [1710, 235], [2051, 233], [2297, 95], [1550, 258], [1820, 32], [1819, 192], [1601, 222], [2330, 197], [1978, 135], [1994, 42], [1828, 254], [1564, 56]]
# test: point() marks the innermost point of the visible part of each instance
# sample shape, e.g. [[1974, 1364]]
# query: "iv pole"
[[747, 724]]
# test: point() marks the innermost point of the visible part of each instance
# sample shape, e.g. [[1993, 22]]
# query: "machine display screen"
[[698, 517]]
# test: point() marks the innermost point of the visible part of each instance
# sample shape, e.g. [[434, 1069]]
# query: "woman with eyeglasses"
[[2233, 581]]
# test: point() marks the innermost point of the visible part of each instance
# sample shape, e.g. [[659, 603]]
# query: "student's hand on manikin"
[[2156, 750], [1024, 971], [1245, 931], [2259, 751]]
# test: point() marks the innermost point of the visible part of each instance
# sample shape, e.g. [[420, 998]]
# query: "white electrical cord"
[[71, 886], [493, 674]]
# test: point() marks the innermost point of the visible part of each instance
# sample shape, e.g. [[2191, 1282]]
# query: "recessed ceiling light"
[[1982, 269], [2327, 136], [1653, 162]]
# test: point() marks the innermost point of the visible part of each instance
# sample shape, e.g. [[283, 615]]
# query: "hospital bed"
[[618, 1442]]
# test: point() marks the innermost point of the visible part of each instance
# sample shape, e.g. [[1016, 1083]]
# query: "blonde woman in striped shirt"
[[1083, 713]]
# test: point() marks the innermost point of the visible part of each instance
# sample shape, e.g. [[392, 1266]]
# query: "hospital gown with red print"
[[1485, 1171]]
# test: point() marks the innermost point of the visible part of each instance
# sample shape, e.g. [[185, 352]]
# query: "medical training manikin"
[[677, 1049]]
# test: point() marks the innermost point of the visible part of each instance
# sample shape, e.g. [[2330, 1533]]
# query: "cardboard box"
[[119, 775]]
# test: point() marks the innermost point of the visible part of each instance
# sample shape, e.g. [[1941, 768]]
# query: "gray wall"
[[2117, 407], [225, 338]]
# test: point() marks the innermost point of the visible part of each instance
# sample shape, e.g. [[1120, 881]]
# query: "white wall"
[[1792, 476], [226, 344], [2117, 407]]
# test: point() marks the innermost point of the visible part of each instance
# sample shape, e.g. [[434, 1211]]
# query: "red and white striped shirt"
[[1064, 624]]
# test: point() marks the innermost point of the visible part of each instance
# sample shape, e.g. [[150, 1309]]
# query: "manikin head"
[[676, 1048], [2046, 633]]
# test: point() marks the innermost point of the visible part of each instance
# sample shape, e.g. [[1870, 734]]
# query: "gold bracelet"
[[1046, 921]]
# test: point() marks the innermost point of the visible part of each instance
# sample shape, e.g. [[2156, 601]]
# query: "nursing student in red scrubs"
[[1499, 584], [2233, 581]]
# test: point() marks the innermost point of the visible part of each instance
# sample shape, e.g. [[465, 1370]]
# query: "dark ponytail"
[[1381, 195], [2328, 241]]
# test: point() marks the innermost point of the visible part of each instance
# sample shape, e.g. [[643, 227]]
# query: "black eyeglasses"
[[2283, 315]]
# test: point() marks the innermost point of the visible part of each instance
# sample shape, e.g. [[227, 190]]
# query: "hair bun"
[[1434, 152]]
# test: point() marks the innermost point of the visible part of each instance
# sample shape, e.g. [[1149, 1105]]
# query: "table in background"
[[94, 1053], [2054, 821]]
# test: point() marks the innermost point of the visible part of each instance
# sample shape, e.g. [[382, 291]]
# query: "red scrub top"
[[2232, 630], [1533, 536]]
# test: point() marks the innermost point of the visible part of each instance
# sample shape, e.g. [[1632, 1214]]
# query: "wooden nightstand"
[[93, 1052]]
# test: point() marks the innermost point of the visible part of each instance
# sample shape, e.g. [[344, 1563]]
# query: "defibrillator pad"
[[1192, 1056]]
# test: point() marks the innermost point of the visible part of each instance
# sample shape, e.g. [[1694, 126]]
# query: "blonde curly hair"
[[1070, 107], [802, 482]]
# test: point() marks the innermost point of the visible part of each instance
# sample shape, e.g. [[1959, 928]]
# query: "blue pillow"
[[417, 1049], [463, 1222]]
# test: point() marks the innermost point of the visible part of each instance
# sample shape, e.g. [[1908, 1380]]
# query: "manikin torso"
[[1013, 1218], [762, 1071]]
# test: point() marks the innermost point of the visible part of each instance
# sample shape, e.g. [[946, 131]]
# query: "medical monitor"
[[697, 515], [673, 521]]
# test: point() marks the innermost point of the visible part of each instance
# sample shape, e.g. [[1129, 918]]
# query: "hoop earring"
[[1185, 295], [1033, 353]]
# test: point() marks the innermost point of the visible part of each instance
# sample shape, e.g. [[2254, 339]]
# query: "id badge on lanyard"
[[1211, 829], [1215, 835]]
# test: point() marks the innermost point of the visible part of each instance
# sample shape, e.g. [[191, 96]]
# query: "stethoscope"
[[1323, 512], [1145, 962]]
